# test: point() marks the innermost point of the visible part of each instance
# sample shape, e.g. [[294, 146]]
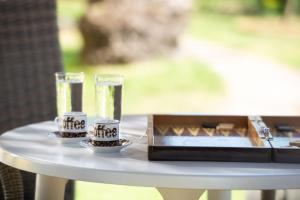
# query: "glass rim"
[[68, 73], [69, 76], [109, 77]]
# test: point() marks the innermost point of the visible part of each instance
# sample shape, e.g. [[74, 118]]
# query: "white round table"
[[29, 148]]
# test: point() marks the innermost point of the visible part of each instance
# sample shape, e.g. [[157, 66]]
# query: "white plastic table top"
[[29, 148]]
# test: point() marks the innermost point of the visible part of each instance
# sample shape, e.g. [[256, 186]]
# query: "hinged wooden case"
[[212, 138]]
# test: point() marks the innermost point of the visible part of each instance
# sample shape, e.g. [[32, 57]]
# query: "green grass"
[[71, 10], [269, 36], [266, 35], [159, 85]]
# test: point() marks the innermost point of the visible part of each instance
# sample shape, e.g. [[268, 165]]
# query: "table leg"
[[49, 187], [180, 194], [218, 194]]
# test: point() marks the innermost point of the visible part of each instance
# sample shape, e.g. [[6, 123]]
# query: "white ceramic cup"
[[105, 130], [72, 122]]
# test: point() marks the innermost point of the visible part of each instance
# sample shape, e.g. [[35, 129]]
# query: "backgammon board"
[[223, 138]]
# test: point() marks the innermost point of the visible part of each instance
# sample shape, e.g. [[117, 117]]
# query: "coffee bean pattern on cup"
[[105, 144], [72, 135]]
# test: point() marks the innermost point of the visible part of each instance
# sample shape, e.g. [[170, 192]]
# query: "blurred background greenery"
[[185, 83]]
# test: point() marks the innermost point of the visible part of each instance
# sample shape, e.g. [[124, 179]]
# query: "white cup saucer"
[[55, 135], [105, 149]]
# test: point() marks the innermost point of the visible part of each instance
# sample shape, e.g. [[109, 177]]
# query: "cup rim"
[[77, 113], [106, 121]]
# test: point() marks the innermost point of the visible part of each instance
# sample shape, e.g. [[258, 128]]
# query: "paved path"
[[254, 85]]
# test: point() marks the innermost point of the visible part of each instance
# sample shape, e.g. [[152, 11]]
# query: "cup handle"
[[57, 119], [90, 128]]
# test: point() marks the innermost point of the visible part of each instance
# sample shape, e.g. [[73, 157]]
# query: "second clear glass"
[[108, 93]]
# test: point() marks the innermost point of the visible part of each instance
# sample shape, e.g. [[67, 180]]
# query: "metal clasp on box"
[[263, 131]]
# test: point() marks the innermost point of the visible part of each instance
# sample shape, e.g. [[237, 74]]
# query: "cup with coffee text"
[[105, 130], [72, 122]]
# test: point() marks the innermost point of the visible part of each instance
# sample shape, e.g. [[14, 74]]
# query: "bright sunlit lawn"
[[160, 85], [270, 36], [96, 191], [170, 84]]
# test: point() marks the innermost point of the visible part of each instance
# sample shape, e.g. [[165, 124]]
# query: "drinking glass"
[[108, 95], [69, 88]]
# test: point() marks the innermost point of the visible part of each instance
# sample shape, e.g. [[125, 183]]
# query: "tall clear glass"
[[69, 88], [108, 95]]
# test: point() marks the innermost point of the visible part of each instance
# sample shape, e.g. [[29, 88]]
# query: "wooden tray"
[[282, 151], [181, 137]]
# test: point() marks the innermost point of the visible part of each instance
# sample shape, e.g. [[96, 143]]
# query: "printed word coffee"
[[105, 131], [72, 123]]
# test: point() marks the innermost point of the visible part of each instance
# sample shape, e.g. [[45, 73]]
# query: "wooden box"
[[202, 138]]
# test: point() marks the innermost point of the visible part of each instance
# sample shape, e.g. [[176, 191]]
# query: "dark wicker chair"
[[29, 56]]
